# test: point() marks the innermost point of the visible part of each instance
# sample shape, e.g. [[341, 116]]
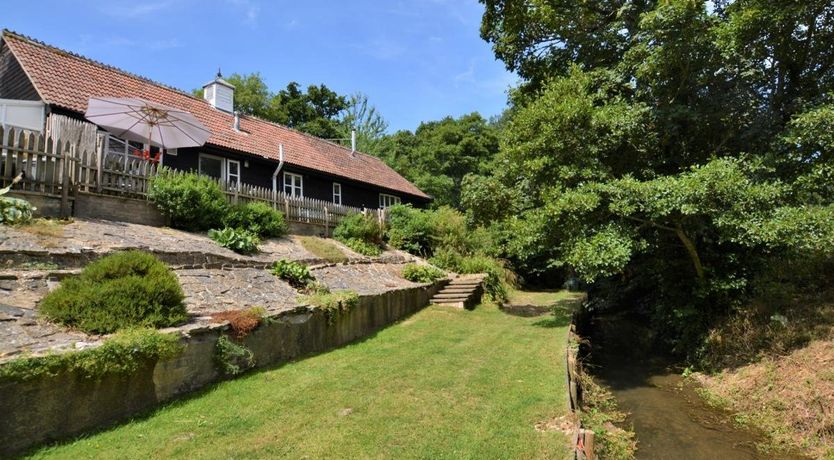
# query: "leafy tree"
[[664, 151], [439, 154], [316, 111], [369, 124]]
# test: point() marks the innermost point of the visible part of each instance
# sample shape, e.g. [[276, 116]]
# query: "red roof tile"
[[68, 80]]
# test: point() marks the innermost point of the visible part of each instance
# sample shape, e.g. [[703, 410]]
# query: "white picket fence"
[[55, 168]]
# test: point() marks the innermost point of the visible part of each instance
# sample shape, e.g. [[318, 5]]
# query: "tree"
[[669, 151], [370, 126], [316, 111], [439, 154]]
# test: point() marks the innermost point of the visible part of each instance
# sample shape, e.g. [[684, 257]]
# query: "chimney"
[[220, 93], [352, 141], [237, 121]]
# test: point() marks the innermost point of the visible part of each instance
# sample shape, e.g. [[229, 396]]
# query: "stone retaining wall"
[[48, 409], [121, 209]]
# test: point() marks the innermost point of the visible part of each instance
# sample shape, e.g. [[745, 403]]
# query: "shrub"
[[410, 229], [191, 201], [422, 273], [232, 358], [14, 210], [121, 353], [333, 303], [257, 217], [123, 290], [362, 247], [242, 322], [238, 240], [295, 273], [360, 227]]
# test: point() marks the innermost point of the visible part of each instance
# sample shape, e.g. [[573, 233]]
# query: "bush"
[[232, 358], [238, 240], [422, 273], [360, 227], [123, 290], [191, 201], [257, 217], [295, 273], [242, 322], [410, 229], [361, 247]]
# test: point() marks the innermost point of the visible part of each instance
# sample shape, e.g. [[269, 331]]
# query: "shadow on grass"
[[560, 318]]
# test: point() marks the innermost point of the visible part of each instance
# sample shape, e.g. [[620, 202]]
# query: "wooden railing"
[[55, 168]]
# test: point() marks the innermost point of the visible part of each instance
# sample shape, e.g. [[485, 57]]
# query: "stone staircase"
[[464, 291]]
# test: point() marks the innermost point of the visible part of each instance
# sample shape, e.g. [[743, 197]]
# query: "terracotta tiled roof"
[[68, 80]]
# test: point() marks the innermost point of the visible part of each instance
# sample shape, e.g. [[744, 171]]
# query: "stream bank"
[[669, 418]]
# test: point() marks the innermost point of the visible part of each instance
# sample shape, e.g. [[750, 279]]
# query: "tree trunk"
[[692, 250]]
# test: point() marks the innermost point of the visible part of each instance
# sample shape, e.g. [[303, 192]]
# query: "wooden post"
[[105, 146], [65, 184], [326, 222]]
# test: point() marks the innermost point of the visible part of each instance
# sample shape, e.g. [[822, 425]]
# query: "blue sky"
[[417, 60]]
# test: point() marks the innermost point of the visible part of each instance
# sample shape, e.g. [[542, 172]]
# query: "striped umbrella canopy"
[[144, 121]]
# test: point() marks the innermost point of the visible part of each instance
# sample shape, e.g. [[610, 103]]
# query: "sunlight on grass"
[[323, 249], [445, 383]]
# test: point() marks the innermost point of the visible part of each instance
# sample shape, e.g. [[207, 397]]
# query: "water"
[[669, 418]]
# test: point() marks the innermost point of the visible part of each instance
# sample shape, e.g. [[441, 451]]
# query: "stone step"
[[453, 295], [456, 304], [468, 289]]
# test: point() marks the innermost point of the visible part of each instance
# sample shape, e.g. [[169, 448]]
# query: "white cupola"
[[220, 93]]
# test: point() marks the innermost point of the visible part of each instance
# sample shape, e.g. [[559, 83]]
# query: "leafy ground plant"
[[422, 273], [14, 210], [295, 273], [240, 241], [123, 290], [362, 247]]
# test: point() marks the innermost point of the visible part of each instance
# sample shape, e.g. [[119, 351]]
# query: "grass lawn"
[[444, 383], [320, 247]]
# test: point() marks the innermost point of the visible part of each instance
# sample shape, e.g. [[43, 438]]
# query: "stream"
[[668, 416]]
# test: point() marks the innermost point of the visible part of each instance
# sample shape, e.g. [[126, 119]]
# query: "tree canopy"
[[666, 149]]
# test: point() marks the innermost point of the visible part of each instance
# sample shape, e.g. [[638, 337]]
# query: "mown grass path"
[[444, 383]]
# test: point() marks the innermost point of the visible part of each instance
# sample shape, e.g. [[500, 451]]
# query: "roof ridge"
[[42, 44]]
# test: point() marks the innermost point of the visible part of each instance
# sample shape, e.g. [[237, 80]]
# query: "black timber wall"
[[317, 185], [14, 84]]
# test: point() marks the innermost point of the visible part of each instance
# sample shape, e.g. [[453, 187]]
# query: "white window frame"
[[214, 157], [386, 200], [337, 195], [229, 174], [296, 189]]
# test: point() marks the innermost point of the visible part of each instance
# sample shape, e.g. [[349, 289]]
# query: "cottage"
[[38, 80]]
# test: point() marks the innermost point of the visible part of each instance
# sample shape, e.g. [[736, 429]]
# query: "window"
[[233, 173], [386, 200], [293, 184], [337, 193], [211, 165]]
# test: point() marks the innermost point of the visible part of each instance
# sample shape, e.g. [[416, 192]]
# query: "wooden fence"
[[56, 168]]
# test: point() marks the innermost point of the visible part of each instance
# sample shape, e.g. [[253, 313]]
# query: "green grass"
[[323, 249], [444, 383]]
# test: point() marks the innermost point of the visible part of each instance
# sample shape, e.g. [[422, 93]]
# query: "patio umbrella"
[[144, 121]]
